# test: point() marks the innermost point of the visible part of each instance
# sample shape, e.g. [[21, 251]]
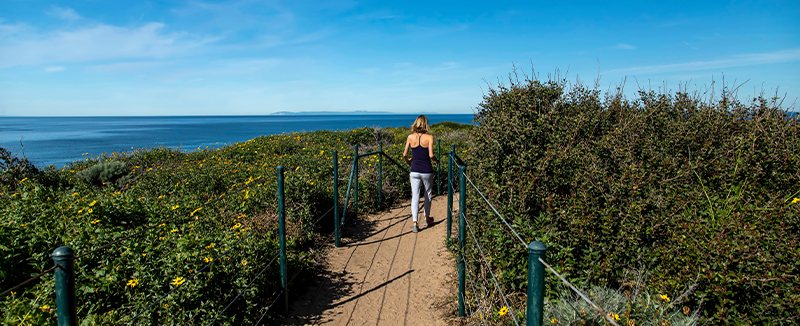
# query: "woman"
[[421, 145]]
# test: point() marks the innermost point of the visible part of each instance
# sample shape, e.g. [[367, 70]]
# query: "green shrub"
[[13, 169], [676, 185], [103, 173]]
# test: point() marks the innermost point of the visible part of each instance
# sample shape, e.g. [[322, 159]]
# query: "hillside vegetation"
[[200, 205], [699, 195]]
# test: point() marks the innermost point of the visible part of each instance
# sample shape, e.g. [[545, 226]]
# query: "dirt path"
[[383, 274]]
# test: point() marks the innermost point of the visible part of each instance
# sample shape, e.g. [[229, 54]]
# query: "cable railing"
[[64, 257], [536, 255]]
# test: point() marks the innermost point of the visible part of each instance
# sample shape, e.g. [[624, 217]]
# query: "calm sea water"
[[60, 140]]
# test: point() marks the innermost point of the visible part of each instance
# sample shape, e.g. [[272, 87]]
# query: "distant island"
[[329, 112]]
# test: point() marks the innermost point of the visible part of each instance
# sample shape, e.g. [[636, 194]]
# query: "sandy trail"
[[383, 274]]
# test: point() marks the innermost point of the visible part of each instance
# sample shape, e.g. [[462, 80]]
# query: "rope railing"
[[258, 322], [244, 289], [583, 296], [475, 291], [496, 212], [489, 267], [536, 251]]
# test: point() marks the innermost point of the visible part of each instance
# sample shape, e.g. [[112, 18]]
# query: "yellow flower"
[[174, 230], [503, 311], [664, 297], [613, 315], [132, 282], [92, 204], [244, 263], [238, 225], [208, 259], [195, 211], [175, 207], [45, 307], [178, 281], [89, 210], [553, 321], [95, 221], [13, 293], [23, 180], [795, 201]]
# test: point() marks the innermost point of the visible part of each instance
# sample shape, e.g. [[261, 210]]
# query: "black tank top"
[[420, 161]]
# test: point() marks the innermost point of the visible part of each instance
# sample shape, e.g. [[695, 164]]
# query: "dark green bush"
[[686, 189], [103, 173], [13, 169]]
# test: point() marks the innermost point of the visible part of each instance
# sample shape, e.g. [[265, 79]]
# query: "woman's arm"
[[430, 150], [405, 152]]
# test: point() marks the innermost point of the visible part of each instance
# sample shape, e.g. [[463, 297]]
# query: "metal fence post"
[[462, 225], [355, 183], [282, 237], [64, 259], [439, 167], [336, 197], [380, 170], [536, 250], [450, 194]]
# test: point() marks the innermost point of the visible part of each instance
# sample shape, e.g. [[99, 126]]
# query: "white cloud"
[[53, 69], [623, 46], [93, 43], [732, 61], [64, 13]]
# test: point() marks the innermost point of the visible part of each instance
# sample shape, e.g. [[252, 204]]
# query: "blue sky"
[[79, 58]]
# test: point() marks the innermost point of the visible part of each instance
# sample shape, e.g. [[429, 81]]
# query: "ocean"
[[59, 140]]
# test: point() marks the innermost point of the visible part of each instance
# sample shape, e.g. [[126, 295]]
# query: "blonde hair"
[[421, 125]]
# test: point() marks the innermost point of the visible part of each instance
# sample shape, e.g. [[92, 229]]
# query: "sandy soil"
[[383, 274]]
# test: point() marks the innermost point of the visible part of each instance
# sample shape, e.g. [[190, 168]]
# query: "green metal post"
[[449, 194], [536, 250], [337, 235], [439, 167], [282, 237], [355, 183], [462, 225], [453, 148], [380, 175], [64, 259]]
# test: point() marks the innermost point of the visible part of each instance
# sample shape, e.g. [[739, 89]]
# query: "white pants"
[[427, 180]]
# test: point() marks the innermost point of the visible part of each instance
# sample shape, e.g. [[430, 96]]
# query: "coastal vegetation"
[[201, 220], [686, 207]]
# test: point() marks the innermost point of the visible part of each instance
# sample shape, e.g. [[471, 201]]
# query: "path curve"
[[383, 274]]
